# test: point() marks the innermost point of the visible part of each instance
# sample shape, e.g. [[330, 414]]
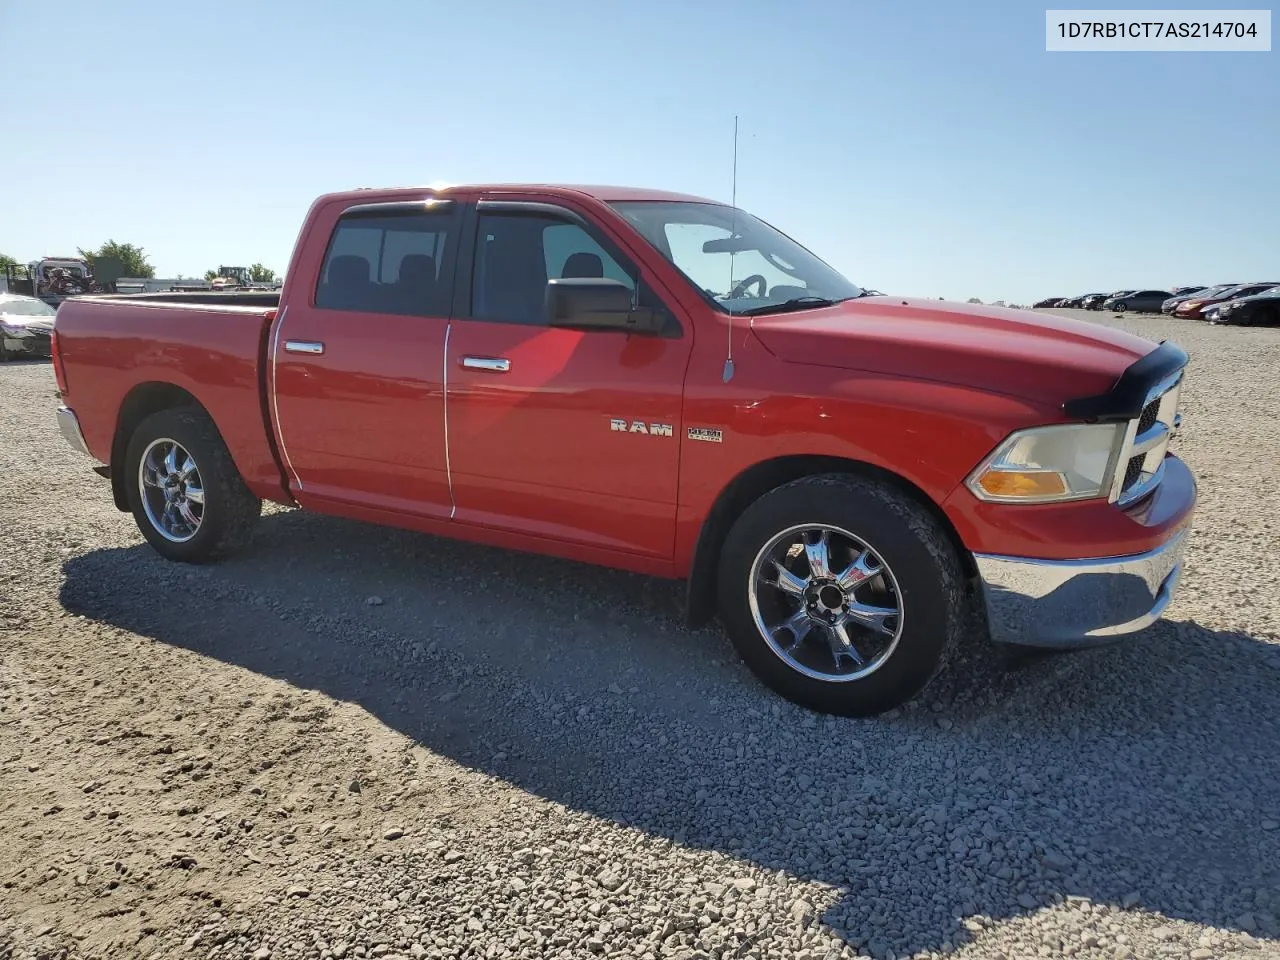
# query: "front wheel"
[[185, 492], [841, 594], [1121, 307]]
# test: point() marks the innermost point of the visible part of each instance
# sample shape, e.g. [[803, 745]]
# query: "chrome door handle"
[[492, 364], [304, 346]]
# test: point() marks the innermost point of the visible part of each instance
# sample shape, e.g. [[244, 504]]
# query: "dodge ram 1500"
[[668, 385]]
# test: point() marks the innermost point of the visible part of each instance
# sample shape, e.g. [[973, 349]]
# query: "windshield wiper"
[[786, 306]]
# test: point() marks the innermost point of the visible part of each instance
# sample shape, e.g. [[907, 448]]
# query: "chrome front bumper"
[[1077, 603], [70, 428]]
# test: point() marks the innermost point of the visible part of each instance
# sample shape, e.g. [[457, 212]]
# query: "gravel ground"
[[358, 742]]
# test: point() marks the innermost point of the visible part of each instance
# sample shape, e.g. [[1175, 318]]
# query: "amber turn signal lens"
[[1022, 483]]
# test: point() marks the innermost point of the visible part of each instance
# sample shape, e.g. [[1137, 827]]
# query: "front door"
[[562, 434], [358, 384]]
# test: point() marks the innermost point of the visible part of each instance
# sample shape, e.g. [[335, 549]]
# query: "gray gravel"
[[358, 742]]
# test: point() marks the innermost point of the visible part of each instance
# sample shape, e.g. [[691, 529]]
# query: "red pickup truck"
[[668, 385]]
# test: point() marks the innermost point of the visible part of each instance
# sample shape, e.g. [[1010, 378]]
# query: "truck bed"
[[213, 346]]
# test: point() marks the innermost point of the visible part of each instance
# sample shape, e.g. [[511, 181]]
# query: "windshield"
[[1249, 289], [710, 243], [25, 308], [1210, 292]]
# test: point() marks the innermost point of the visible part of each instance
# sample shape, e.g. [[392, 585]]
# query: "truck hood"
[[1043, 358]]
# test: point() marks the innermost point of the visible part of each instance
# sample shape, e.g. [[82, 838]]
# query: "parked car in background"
[[26, 324], [1186, 291], [1194, 308], [1110, 298], [1172, 303], [1093, 301], [1075, 303], [1047, 302], [1137, 301], [1262, 308]]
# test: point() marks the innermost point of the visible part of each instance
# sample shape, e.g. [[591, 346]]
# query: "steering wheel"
[[739, 290]]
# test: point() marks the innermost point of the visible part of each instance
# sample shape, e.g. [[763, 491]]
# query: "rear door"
[[358, 360], [563, 434]]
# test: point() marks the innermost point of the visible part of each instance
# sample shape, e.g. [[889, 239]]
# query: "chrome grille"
[[1148, 417], [1132, 472], [1146, 441]]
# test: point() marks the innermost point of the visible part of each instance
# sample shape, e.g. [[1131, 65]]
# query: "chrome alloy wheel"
[[826, 603], [171, 489]]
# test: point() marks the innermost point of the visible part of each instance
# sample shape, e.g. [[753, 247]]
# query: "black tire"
[[923, 563], [229, 511], [1121, 307]]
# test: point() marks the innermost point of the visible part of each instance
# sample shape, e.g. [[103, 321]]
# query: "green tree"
[[7, 261], [133, 258], [260, 274], [210, 274]]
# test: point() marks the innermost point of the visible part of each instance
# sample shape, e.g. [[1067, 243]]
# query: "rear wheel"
[[185, 492], [841, 594]]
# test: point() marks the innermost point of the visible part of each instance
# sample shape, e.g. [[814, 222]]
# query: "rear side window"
[[388, 264]]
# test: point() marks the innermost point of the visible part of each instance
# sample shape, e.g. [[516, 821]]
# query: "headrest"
[[348, 270], [583, 265], [417, 268]]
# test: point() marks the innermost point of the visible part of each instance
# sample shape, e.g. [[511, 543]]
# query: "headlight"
[[1071, 461]]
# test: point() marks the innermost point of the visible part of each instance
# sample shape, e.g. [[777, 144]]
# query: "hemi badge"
[[705, 433]]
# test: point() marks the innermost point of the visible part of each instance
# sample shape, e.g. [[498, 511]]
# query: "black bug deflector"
[[1128, 395]]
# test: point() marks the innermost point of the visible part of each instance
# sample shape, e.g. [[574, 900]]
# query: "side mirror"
[[596, 303]]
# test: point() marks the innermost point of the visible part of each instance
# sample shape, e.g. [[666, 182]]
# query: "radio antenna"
[[733, 232]]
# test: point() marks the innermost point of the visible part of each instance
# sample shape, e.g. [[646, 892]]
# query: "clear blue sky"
[[922, 148]]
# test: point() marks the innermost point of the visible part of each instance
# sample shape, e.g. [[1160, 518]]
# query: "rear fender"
[[142, 401]]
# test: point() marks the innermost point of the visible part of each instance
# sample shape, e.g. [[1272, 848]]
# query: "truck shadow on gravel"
[[1140, 776]]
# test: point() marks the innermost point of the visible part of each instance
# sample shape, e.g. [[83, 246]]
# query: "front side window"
[[517, 253], [387, 264], [738, 262]]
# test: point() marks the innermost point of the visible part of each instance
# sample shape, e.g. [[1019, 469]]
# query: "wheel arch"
[[139, 403], [757, 480]]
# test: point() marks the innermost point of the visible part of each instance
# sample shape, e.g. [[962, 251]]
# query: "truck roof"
[[598, 192]]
